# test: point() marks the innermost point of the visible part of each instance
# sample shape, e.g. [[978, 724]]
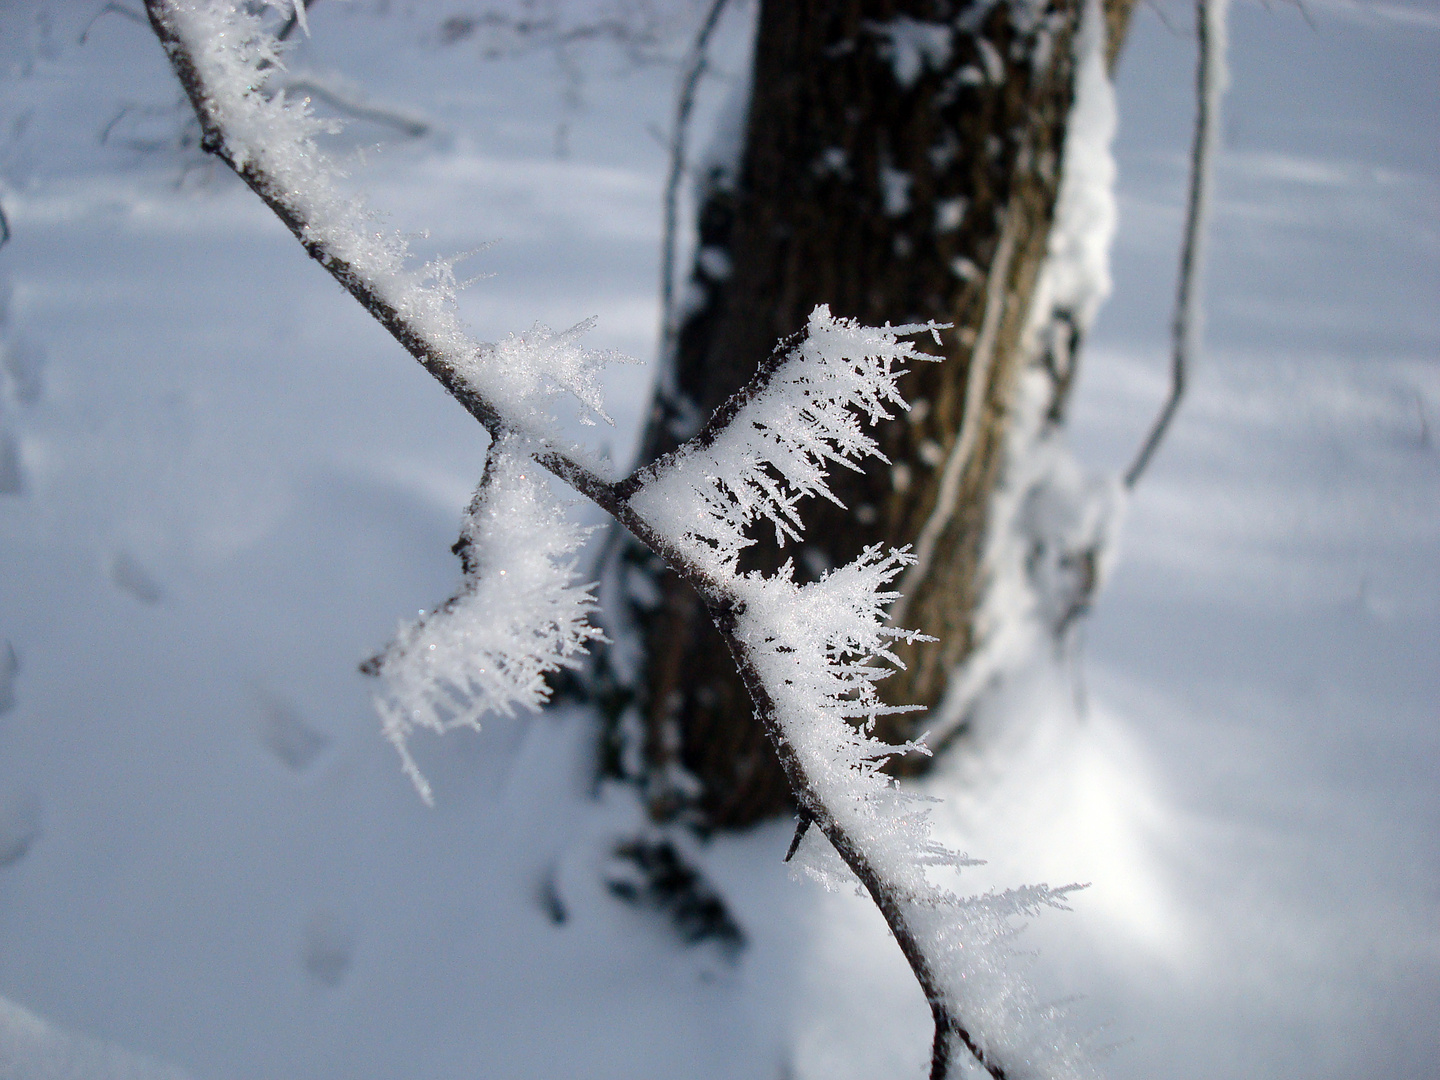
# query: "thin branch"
[[1305, 14], [696, 64], [1164, 18], [886, 896], [430, 355], [287, 209], [723, 597], [610, 497], [532, 34], [110, 9], [802, 826], [1185, 328], [411, 126], [4, 228]]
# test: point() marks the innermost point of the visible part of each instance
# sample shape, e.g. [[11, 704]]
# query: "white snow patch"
[[912, 46], [895, 187]]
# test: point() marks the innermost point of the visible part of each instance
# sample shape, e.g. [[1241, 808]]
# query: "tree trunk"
[[901, 163]]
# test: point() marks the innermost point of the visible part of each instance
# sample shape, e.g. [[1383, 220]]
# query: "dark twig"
[[695, 66], [1185, 328], [1305, 14], [4, 228], [412, 127], [802, 826], [1164, 18], [603, 493], [111, 9], [641, 44]]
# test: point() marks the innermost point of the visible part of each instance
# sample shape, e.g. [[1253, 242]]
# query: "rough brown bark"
[[894, 181]]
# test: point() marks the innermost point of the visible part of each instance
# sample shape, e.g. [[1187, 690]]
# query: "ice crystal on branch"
[[269, 138], [785, 432], [519, 615], [542, 363], [820, 649], [814, 654]]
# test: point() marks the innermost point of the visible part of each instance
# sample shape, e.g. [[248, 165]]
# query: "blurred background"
[[221, 486]]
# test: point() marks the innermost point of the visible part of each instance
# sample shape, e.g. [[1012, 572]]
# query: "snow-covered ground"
[[221, 486]]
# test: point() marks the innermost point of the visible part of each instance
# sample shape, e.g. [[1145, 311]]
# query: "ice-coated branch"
[[809, 659], [1210, 78], [771, 444], [520, 615], [809, 654], [224, 60]]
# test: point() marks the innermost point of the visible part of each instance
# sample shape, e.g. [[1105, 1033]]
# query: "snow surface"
[[233, 484]]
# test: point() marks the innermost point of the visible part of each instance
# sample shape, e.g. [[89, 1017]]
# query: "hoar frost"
[[775, 450], [519, 616], [819, 649], [269, 137]]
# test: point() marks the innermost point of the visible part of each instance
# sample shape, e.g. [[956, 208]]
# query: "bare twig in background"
[[1305, 14], [4, 228], [1164, 18], [111, 9], [637, 31], [1185, 329], [694, 71], [353, 105]]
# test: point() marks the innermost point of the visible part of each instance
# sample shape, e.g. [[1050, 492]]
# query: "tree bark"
[[901, 163]]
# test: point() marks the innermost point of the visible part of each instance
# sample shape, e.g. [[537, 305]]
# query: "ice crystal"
[[781, 440], [270, 135], [520, 615]]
